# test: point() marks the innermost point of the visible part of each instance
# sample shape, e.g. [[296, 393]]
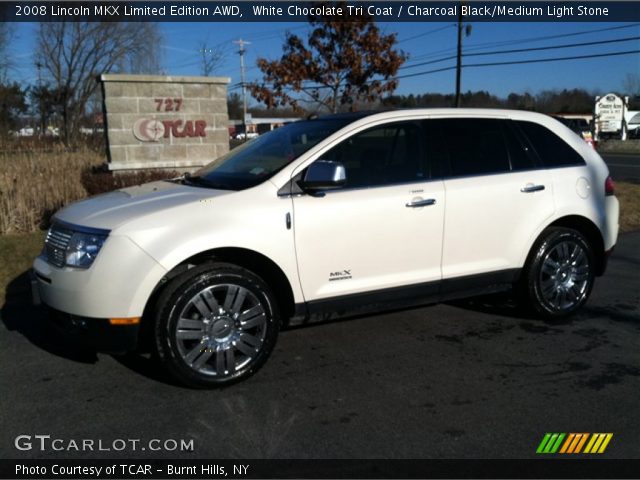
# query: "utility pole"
[[40, 100], [459, 56], [467, 32], [242, 43]]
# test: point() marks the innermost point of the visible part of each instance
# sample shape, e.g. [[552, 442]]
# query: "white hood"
[[111, 210]]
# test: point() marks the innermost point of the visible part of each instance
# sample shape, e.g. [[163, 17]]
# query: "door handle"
[[421, 203], [530, 187]]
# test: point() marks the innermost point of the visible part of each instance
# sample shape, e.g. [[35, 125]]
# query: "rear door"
[[496, 195]]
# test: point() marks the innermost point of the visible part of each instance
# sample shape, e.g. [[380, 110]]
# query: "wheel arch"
[[587, 228], [251, 260]]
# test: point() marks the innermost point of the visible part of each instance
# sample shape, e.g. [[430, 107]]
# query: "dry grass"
[[33, 185], [17, 253], [629, 196]]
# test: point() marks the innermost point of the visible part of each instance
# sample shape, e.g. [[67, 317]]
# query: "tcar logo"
[[148, 130], [152, 130]]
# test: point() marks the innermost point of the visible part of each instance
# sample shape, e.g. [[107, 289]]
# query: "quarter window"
[[552, 150]]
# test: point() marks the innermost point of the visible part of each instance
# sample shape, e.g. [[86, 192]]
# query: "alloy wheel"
[[221, 330]]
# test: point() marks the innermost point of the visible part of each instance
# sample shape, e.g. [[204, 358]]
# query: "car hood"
[[111, 210]]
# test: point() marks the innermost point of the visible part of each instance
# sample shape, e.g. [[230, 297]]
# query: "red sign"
[[191, 128]]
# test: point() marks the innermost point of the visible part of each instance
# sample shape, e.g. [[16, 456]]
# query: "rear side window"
[[519, 155], [476, 146], [552, 150]]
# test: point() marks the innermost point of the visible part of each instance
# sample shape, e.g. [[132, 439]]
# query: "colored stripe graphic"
[[598, 442], [544, 441], [574, 443], [583, 439], [567, 443], [550, 443]]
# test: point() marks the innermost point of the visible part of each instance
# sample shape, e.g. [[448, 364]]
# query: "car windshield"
[[259, 159]]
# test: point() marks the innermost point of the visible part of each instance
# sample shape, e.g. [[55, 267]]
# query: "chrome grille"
[[56, 245]]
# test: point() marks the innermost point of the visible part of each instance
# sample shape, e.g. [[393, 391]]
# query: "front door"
[[383, 229]]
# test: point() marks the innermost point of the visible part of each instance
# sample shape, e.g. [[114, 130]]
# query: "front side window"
[[384, 155], [256, 161]]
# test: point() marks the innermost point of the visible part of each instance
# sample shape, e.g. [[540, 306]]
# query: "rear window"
[[552, 150]]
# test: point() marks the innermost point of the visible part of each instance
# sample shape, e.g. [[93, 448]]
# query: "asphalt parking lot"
[[466, 380], [623, 166]]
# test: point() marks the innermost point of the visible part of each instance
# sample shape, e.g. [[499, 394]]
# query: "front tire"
[[559, 274], [216, 324]]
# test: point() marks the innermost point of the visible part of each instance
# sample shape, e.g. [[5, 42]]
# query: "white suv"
[[330, 216]]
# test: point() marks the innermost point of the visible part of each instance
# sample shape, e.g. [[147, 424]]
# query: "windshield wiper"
[[197, 181]]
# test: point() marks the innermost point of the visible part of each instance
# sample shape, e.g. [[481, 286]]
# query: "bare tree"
[[73, 54], [5, 59], [212, 58]]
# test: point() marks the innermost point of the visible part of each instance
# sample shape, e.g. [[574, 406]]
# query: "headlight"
[[83, 249]]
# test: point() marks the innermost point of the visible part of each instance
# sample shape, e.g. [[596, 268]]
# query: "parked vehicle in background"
[[632, 118], [579, 126], [244, 136], [342, 214]]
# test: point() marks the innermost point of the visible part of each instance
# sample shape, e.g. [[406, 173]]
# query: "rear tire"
[[215, 325], [559, 274]]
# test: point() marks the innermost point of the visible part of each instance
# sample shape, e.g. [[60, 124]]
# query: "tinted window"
[[437, 153], [476, 146], [520, 157], [552, 150], [382, 155]]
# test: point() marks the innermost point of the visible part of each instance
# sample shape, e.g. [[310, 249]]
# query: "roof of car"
[[346, 115], [474, 112]]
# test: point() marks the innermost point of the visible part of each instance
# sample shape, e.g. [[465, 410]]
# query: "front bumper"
[[96, 333], [117, 285]]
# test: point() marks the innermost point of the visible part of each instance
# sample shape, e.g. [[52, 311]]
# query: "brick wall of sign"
[[177, 123]]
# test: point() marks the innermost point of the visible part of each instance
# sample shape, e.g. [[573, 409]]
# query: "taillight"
[[609, 186]]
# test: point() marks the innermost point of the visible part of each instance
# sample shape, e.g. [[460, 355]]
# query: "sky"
[[423, 42]]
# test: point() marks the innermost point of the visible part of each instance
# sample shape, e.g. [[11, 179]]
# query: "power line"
[[513, 62], [520, 62], [422, 64], [557, 59], [486, 45], [522, 50], [553, 47], [549, 37]]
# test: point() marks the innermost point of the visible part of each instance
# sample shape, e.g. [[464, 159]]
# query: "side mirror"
[[323, 175]]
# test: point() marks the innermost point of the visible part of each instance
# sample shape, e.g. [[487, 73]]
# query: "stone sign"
[[175, 123]]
